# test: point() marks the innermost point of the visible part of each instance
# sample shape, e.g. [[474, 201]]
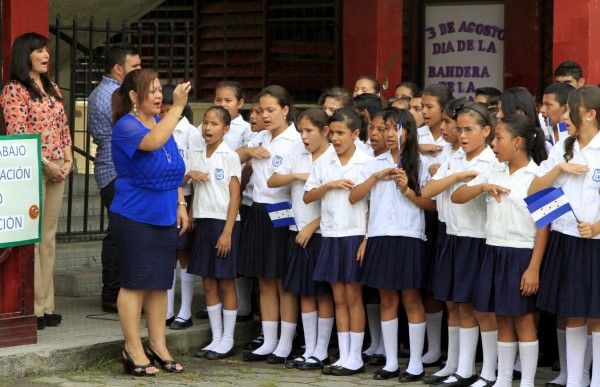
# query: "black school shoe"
[[180, 324], [41, 323], [52, 320], [382, 374], [317, 365], [406, 377]]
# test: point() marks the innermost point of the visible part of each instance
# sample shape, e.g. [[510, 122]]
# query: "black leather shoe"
[[242, 318], [317, 365], [328, 369], [201, 353], [52, 320], [517, 375], [41, 323], [212, 355], [382, 374], [294, 363], [488, 383], [110, 308], [376, 359], [254, 344], [169, 321], [202, 314], [250, 356], [180, 324], [433, 379], [459, 382], [406, 377], [274, 359], [343, 371], [554, 385]]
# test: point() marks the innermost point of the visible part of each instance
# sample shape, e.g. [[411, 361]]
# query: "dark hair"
[[369, 102], [535, 141], [415, 90], [560, 91], [339, 94], [519, 98], [256, 99], [20, 65], [224, 113], [138, 80], [588, 98], [374, 81], [117, 54], [349, 116], [317, 117], [283, 99], [481, 114], [167, 92], [569, 68], [453, 106], [411, 159], [237, 89], [492, 94], [441, 92]]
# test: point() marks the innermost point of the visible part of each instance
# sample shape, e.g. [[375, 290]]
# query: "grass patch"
[[268, 383]]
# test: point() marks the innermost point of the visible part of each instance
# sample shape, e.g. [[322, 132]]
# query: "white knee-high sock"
[[390, 332], [434, 337], [344, 347], [576, 343], [587, 362], [269, 329], [171, 297], [215, 317], [507, 352], [529, 356], [243, 286], [561, 337], [354, 360], [284, 348], [468, 347], [596, 362], [309, 322], [374, 321], [453, 347], [324, 328], [187, 294], [416, 336], [489, 344], [226, 343]]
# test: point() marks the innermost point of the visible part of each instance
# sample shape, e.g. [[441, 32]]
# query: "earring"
[[135, 112], [587, 119], [515, 150]]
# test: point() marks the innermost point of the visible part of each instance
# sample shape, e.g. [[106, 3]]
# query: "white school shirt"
[[509, 223], [302, 162], [442, 200], [282, 147], [239, 134], [339, 218], [467, 219], [211, 198], [390, 212], [582, 191], [183, 134], [426, 137]]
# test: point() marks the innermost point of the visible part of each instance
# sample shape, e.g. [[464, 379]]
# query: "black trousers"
[[111, 269]]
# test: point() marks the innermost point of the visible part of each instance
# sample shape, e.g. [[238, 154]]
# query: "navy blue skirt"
[[337, 260], [431, 231], [570, 277], [204, 261], [497, 288], [146, 253], [263, 248], [439, 243], [456, 266], [301, 267], [393, 262], [184, 242]]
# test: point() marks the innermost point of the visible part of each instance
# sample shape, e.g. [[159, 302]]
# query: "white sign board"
[[20, 190], [464, 47]]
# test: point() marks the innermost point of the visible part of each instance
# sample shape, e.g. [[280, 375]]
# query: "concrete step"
[[78, 270]]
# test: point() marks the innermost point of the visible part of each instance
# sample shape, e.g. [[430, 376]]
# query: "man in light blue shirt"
[[119, 60]]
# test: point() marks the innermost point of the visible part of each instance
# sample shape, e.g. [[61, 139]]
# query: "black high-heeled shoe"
[[165, 365], [131, 368]]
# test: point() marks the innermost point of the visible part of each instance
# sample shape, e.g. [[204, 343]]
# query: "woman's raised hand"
[[180, 94]]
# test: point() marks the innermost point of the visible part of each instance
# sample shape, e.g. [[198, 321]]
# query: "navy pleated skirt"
[[456, 267], [146, 253], [184, 242], [439, 243], [497, 288], [337, 260], [570, 277], [263, 248], [393, 263], [431, 231], [204, 261], [301, 267]]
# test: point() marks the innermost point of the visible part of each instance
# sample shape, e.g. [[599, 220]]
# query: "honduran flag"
[[547, 205], [281, 214]]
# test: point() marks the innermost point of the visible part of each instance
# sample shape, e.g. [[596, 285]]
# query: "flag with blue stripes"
[[547, 205], [562, 127], [281, 214]]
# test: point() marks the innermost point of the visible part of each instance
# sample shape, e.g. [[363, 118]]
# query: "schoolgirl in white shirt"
[[396, 234], [509, 272], [571, 270], [265, 247], [463, 251], [215, 172], [343, 227], [305, 242]]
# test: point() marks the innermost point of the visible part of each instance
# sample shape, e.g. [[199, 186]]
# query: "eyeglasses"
[[467, 131]]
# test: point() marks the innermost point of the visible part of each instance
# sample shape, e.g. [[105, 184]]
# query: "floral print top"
[[23, 115]]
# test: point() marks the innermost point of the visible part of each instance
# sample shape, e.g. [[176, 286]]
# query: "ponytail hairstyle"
[[20, 65], [535, 141], [283, 99], [411, 158], [222, 112], [519, 98], [139, 81], [442, 94], [587, 98], [317, 117]]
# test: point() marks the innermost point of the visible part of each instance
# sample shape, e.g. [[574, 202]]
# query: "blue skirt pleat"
[[337, 260], [204, 260]]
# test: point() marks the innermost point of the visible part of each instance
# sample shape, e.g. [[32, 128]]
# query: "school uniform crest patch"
[[219, 174], [277, 160], [596, 175]]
